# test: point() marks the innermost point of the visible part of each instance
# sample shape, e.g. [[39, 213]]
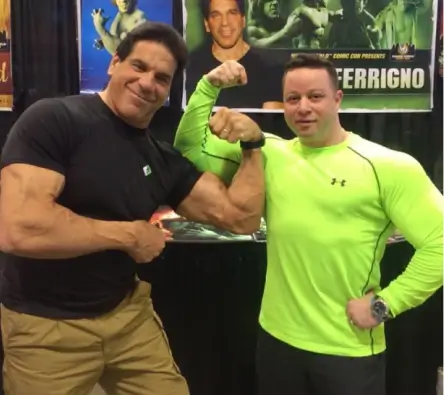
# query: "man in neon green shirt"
[[332, 200]]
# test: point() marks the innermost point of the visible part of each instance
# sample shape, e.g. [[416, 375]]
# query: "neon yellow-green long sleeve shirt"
[[329, 213]]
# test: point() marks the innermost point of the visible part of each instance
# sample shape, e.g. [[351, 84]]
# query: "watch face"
[[380, 308]]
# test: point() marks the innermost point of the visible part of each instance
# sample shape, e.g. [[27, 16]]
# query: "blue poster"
[[102, 24]]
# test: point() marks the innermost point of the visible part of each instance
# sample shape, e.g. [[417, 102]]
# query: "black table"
[[209, 295]]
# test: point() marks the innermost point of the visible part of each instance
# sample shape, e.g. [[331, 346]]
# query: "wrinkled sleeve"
[[196, 142], [415, 206]]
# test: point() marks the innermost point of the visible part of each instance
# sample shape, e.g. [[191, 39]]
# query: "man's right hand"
[[149, 241], [234, 126], [99, 18], [227, 75]]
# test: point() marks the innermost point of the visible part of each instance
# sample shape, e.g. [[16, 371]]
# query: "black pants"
[[286, 370]]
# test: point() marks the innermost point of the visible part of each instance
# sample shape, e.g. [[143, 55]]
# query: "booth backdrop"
[[382, 52], [209, 294]]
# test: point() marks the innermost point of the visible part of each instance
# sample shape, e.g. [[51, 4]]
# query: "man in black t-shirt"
[[80, 178], [224, 21]]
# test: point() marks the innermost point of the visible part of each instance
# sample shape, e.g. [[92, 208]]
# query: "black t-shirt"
[[112, 172], [264, 78]]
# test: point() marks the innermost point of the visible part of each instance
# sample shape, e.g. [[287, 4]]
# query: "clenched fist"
[[233, 126], [227, 75], [149, 241], [359, 312]]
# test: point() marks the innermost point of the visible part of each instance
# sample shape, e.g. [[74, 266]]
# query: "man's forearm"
[[246, 195], [265, 42], [193, 125], [195, 140], [110, 42], [59, 233], [415, 206], [422, 277]]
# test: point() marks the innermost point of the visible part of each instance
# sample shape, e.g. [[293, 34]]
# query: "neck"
[[236, 52], [139, 124], [336, 136]]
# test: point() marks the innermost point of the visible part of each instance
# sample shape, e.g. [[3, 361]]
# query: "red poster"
[[5, 56]]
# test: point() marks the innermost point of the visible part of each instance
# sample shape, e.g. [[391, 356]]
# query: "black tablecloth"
[[209, 295]]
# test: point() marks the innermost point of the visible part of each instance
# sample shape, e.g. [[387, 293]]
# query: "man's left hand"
[[360, 314]]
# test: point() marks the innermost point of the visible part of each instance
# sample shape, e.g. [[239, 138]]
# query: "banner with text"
[[102, 26], [382, 50], [6, 94]]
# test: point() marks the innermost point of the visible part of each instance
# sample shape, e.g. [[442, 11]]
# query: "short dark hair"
[[312, 61], [205, 7], [158, 32]]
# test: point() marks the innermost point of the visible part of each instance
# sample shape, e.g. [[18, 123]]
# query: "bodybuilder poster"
[[383, 49], [5, 56], [102, 25], [182, 230]]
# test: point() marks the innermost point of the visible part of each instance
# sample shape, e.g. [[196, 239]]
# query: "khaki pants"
[[126, 351]]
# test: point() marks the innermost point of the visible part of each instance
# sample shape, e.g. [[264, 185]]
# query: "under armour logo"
[[335, 181]]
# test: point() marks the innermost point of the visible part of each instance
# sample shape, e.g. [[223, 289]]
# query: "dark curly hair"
[[205, 7]]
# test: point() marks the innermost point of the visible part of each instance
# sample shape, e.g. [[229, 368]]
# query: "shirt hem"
[[357, 350]]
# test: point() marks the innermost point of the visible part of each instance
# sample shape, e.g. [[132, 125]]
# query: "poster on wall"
[[6, 94], [440, 49], [383, 50], [102, 25], [182, 230]]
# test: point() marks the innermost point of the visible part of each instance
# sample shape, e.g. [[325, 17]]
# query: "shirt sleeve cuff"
[[205, 86], [388, 298]]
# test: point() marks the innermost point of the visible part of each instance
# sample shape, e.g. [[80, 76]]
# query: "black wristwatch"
[[380, 309], [247, 145]]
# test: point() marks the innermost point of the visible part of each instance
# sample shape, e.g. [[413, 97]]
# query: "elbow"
[[9, 240], [245, 230], [256, 42], [260, 44], [5, 245], [245, 227], [242, 222], [15, 237]]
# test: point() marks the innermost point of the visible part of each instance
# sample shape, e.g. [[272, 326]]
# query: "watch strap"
[[248, 145]]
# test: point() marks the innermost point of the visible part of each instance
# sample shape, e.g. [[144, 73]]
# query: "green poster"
[[383, 50]]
